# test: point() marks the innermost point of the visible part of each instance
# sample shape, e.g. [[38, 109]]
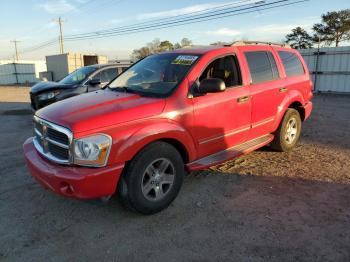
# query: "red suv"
[[170, 112]]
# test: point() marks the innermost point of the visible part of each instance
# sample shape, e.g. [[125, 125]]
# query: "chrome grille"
[[57, 136], [52, 141]]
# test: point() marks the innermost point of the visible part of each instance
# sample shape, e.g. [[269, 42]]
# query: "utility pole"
[[60, 38], [16, 50], [317, 62]]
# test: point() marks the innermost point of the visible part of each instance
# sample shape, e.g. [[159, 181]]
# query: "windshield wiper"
[[125, 89]]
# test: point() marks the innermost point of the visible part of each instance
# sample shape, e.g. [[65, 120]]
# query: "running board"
[[230, 153]]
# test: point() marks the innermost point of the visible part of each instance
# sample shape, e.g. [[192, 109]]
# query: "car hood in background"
[[100, 109], [46, 86]]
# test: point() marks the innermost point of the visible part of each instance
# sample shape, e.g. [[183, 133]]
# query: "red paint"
[[79, 182], [203, 125]]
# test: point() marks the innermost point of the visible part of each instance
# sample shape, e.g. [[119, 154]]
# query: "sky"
[[33, 22]]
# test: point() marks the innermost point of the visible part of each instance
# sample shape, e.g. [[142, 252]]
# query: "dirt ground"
[[265, 206]]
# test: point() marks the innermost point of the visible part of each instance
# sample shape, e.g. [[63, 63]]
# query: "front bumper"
[[72, 181]]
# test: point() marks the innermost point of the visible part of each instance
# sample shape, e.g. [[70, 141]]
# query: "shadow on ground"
[[15, 108]]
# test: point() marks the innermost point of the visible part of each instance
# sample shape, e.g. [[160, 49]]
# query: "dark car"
[[83, 80]]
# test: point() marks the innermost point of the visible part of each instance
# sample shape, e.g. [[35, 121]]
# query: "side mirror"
[[95, 82], [212, 85]]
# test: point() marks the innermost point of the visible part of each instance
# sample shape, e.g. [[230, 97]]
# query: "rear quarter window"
[[291, 63], [262, 66]]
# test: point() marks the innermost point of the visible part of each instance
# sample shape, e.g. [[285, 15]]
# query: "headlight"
[[48, 95], [92, 150]]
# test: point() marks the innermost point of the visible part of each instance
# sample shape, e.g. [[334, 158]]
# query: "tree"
[[299, 39], [219, 43], [177, 45], [335, 27], [157, 46], [185, 42], [166, 46], [154, 46], [138, 54]]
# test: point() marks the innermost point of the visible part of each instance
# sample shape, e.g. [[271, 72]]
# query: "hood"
[[46, 86], [100, 109]]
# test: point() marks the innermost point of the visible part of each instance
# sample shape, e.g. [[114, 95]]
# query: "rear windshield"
[[155, 75]]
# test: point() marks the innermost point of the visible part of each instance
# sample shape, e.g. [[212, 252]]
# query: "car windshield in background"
[[155, 75], [77, 76]]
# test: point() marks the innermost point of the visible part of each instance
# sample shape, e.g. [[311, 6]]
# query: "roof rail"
[[240, 43]]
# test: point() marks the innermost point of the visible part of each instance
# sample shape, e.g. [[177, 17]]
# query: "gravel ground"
[[265, 206]]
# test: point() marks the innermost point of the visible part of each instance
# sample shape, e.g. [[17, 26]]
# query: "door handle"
[[242, 99], [283, 89]]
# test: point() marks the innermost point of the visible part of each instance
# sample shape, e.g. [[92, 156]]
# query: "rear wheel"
[[152, 179], [288, 132]]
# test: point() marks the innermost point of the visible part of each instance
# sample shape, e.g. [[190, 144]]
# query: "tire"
[[284, 141], [144, 186]]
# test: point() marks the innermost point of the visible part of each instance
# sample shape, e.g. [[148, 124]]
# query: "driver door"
[[222, 120]]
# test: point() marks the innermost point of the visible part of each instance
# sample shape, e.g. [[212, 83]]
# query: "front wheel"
[[152, 179], [288, 132]]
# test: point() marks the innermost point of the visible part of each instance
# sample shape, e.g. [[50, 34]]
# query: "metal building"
[[329, 68], [20, 72], [61, 65]]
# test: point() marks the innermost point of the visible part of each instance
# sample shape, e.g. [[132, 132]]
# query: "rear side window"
[[108, 74], [262, 66], [291, 63]]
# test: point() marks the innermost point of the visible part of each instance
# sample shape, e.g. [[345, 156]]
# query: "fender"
[[292, 97], [68, 96], [166, 129], [73, 92]]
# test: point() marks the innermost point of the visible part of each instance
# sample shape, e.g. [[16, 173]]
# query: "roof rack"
[[240, 43]]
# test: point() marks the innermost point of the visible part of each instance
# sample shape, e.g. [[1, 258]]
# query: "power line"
[[160, 21], [209, 14], [192, 19], [40, 46], [52, 41], [148, 27]]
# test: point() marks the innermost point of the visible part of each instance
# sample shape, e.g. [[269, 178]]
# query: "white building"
[[20, 71]]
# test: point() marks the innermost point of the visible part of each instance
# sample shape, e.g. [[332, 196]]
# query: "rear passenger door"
[[267, 90], [297, 75]]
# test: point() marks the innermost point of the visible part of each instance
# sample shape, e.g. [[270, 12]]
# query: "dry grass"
[[14, 94]]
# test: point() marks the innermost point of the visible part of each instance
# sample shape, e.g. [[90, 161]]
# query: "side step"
[[230, 153]]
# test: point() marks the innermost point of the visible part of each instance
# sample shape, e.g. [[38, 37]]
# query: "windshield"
[[78, 75], [157, 74]]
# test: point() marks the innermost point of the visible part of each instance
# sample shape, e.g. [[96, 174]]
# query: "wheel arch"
[[170, 133], [299, 107], [294, 101]]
